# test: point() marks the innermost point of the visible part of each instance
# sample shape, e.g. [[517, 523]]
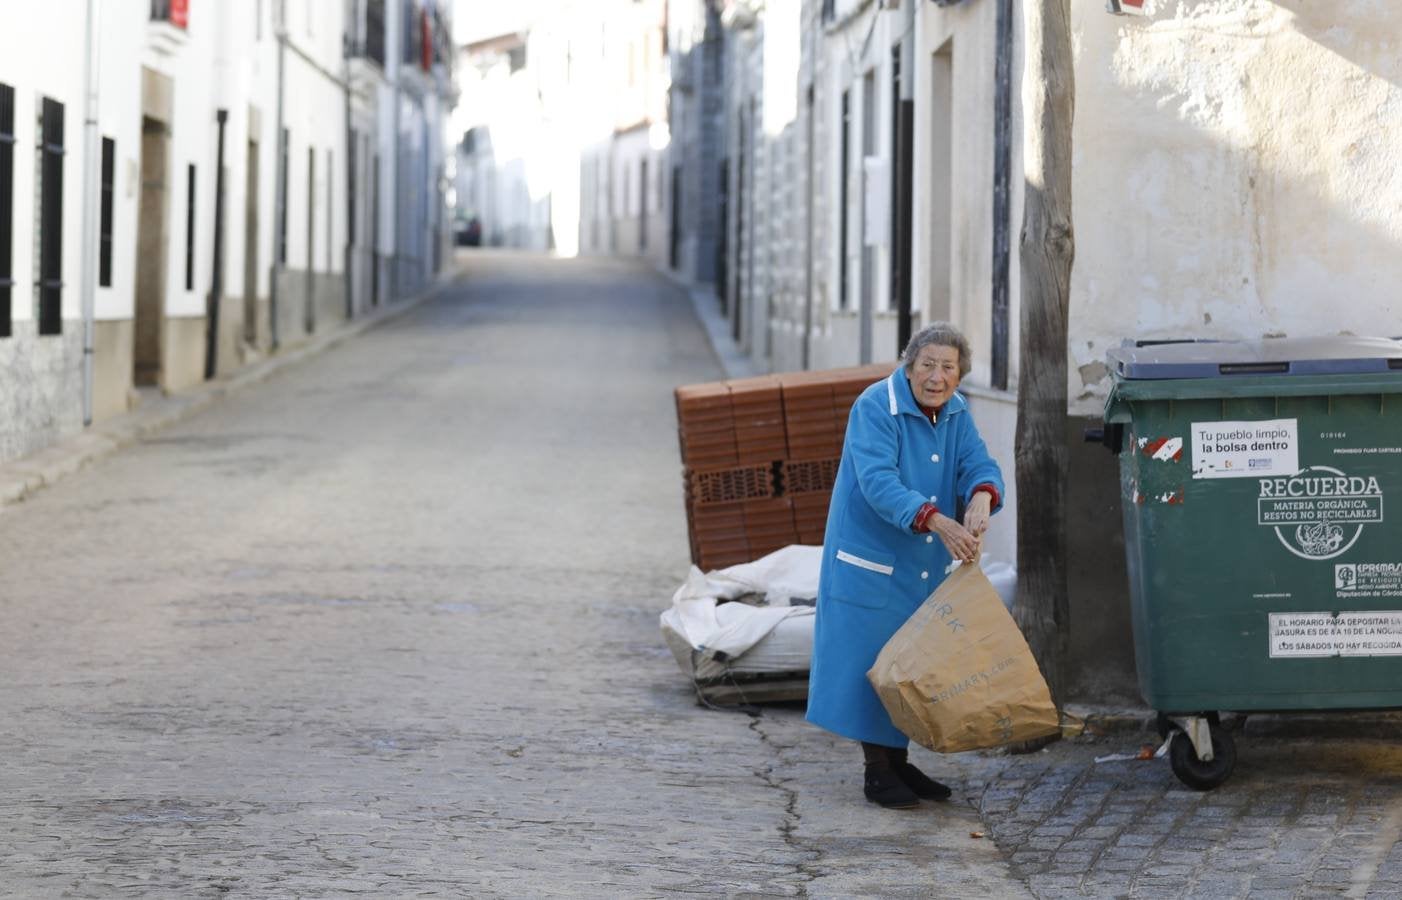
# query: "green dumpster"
[[1261, 486]]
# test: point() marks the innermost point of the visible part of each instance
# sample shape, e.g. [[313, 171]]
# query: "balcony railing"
[[175, 12]]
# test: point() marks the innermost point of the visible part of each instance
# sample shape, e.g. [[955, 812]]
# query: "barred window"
[[7, 203]]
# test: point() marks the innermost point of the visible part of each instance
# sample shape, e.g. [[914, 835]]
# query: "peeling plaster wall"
[[1238, 169]]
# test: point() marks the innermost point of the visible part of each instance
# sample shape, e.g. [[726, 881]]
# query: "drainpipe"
[[807, 352], [280, 188], [350, 170], [91, 149], [216, 287]]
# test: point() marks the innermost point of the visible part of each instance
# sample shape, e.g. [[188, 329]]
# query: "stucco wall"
[[1238, 165], [42, 400]]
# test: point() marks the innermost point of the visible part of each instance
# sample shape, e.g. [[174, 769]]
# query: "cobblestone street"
[[387, 624], [1303, 816]]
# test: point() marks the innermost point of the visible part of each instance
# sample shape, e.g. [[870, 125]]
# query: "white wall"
[[847, 57], [1238, 168], [314, 113]]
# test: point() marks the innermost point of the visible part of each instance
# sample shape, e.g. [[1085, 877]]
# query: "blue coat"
[[875, 570]]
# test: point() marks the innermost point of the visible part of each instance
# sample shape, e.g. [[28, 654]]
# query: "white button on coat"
[[929, 538], [924, 574], [934, 457]]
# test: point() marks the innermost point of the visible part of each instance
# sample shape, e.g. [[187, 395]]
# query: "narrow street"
[[386, 624]]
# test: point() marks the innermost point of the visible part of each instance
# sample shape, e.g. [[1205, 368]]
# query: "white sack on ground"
[[725, 631], [711, 638]]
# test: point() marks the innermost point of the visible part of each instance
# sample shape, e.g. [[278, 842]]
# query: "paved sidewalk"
[[733, 362]]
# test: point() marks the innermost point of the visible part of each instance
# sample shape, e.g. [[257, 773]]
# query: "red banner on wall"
[[180, 13]]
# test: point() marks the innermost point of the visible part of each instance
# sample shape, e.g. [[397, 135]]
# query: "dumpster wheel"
[[1196, 774]]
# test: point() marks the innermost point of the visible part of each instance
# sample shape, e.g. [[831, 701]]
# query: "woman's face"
[[934, 376]]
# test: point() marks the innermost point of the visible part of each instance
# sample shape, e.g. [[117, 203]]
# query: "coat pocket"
[[861, 576]]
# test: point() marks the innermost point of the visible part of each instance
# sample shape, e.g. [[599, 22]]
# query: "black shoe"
[[884, 788], [920, 784]]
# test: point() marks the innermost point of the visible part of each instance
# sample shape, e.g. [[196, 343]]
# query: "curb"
[[1308, 723], [733, 362], [22, 477], [1106, 720]]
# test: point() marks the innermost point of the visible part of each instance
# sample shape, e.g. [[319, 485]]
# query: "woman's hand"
[[977, 513], [956, 538]]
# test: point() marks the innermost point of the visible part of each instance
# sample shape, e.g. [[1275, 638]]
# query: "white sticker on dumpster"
[[1246, 449], [1368, 580], [1367, 633]]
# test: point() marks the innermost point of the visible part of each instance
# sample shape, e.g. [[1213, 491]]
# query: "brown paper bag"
[[959, 675]]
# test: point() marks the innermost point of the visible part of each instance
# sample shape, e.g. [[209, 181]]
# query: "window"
[[351, 179], [176, 12], [411, 38], [50, 234], [190, 227], [7, 202], [104, 233], [375, 31]]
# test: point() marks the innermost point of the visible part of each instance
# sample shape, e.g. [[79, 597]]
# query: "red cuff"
[[926, 513], [991, 491]]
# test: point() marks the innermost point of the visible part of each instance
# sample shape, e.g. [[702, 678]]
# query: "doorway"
[[151, 253], [250, 247]]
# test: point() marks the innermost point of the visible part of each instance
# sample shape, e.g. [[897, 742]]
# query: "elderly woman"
[[911, 460]]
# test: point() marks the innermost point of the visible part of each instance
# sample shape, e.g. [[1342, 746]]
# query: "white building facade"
[[241, 199], [564, 139]]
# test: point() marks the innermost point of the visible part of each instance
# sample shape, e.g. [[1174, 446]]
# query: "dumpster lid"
[[1271, 356]]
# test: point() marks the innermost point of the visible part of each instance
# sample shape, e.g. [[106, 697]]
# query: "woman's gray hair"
[[940, 334]]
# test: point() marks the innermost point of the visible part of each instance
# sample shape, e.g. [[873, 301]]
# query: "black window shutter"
[[190, 227], [51, 218], [104, 258], [7, 203]]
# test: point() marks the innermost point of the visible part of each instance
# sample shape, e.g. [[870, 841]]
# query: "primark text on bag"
[[959, 675]]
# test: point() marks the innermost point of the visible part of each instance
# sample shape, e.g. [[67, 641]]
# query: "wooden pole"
[[1047, 251]]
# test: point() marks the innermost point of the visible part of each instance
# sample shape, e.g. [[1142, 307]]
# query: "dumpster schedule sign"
[[1336, 634], [1246, 449]]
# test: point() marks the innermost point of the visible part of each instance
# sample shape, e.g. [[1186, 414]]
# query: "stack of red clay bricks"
[[759, 459]]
